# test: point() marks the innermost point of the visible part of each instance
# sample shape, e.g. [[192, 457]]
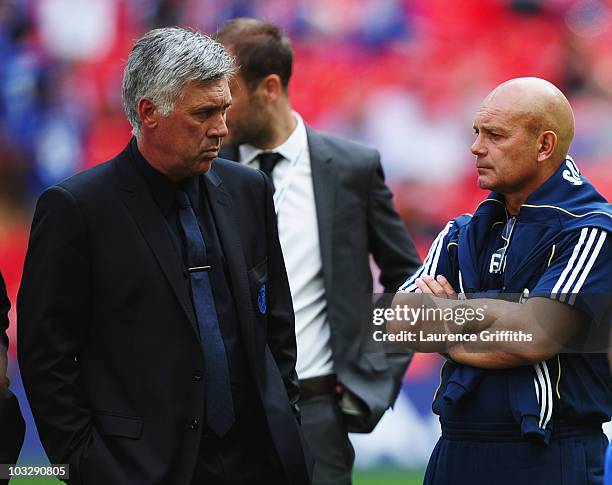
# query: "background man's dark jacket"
[[356, 218]]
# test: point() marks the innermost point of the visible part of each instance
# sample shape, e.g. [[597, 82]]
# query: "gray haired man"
[[156, 330]]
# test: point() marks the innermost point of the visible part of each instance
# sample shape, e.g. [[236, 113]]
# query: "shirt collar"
[[290, 149], [162, 188]]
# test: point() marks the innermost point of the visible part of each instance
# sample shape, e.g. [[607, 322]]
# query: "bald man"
[[518, 283]]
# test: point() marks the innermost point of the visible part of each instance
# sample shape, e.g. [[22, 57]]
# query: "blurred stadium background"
[[403, 75]]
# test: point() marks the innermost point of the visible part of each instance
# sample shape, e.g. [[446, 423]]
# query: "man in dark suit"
[[156, 331], [334, 210], [12, 425]]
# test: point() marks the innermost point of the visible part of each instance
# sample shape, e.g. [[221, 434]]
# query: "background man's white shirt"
[[299, 237]]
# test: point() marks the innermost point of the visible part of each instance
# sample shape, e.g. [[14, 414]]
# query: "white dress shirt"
[[298, 231]]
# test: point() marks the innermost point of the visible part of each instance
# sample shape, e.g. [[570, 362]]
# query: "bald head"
[[540, 106], [523, 132]]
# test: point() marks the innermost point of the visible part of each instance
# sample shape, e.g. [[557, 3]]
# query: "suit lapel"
[[324, 179], [150, 220], [227, 224]]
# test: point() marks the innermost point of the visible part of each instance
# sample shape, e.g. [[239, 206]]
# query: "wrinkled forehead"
[[211, 92], [492, 115], [504, 111]]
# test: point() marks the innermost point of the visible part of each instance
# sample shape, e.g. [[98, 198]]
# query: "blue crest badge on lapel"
[[261, 299]]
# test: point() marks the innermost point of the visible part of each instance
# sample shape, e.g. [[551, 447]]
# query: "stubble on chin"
[[255, 133], [239, 135]]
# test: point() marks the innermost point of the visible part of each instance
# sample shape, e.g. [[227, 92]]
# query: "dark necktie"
[[267, 162], [219, 403]]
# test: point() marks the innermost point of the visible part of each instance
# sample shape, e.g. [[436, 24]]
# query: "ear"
[[148, 113], [271, 87], [547, 144]]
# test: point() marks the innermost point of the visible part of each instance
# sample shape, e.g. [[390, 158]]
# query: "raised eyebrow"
[[490, 128]]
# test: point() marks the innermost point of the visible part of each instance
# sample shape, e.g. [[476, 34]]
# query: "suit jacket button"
[[197, 376], [195, 424]]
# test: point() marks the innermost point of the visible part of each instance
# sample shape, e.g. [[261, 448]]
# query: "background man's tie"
[[267, 162], [219, 404]]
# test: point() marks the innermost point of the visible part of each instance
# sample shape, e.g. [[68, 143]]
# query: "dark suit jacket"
[[12, 425], [108, 345], [356, 218]]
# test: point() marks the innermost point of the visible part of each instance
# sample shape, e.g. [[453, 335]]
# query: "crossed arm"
[[549, 323]]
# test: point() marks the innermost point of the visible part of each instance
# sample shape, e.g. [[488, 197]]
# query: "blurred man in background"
[[156, 332], [334, 210], [12, 425], [522, 409]]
